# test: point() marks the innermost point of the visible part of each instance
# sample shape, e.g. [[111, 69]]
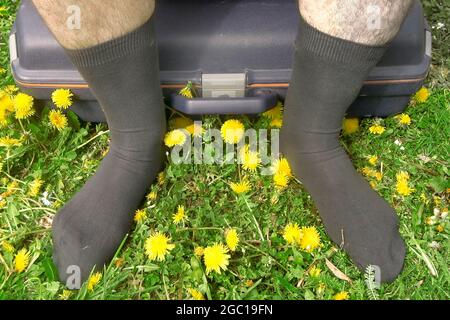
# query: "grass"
[[263, 267]]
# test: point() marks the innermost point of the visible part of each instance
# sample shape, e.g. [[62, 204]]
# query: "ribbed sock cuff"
[[335, 49], [143, 36]]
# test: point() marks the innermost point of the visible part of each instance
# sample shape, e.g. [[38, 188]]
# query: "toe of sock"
[[393, 263], [66, 252]]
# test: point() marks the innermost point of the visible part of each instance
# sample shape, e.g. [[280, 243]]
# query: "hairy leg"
[[373, 22], [101, 21], [115, 51], [334, 53]]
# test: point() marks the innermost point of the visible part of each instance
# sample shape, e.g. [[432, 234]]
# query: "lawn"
[[44, 167]]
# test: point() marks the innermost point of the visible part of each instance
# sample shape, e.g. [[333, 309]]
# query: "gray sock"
[[328, 74], [124, 76]]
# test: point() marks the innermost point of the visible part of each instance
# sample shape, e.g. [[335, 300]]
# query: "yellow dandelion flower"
[[378, 175], [161, 178], [232, 131], [310, 239], [93, 281], [314, 272], [430, 220], [424, 198], [373, 185], [199, 251], [3, 118], [373, 160], [276, 123], [21, 260], [11, 89], [196, 295], [437, 201], [119, 262], [8, 247], [152, 196], [180, 215], [292, 233], [274, 199], [350, 126], [368, 172], [249, 283], [8, 142], [65, 295], [403, 188], [251, 160], [275, 113], [2, 70], [343, 295], [404, 119], [140, 216], [57, 119], [440, 228], [402, 176], [232, 239], [281, 166], [6, 103], [187, 91], [62, 98], [402, 183], [180, 123], [377, 129], [35, 187], [23, 106], [216, 258], [240, 187], [157, 246], [422, 95], [175, 138], [281, 180], [11, 188], [321, 289], [195, 130]]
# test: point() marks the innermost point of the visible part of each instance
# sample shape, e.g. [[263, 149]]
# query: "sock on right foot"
[[124, 76]]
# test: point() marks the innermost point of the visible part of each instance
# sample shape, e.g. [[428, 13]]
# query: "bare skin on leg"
[[356, 20], [101, 21]]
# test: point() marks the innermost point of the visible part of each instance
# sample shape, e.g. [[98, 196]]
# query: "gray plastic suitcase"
[[238, 53]]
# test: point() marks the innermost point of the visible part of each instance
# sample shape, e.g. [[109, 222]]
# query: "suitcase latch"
[[223, 85]]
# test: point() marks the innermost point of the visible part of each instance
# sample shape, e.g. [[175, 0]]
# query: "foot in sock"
[[123, 75], [328, 74]]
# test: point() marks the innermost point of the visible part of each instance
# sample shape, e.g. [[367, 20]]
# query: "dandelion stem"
[[258, 227], [38, 208], [176, 112], [195, 229], [101, 133], [256, 222], [24, 234], [165, 287], [14, 179], [22, 127]]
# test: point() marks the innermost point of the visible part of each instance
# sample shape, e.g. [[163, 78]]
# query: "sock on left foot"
[[328, 74]]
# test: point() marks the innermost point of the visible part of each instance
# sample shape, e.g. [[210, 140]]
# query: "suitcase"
[[237, 53]]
